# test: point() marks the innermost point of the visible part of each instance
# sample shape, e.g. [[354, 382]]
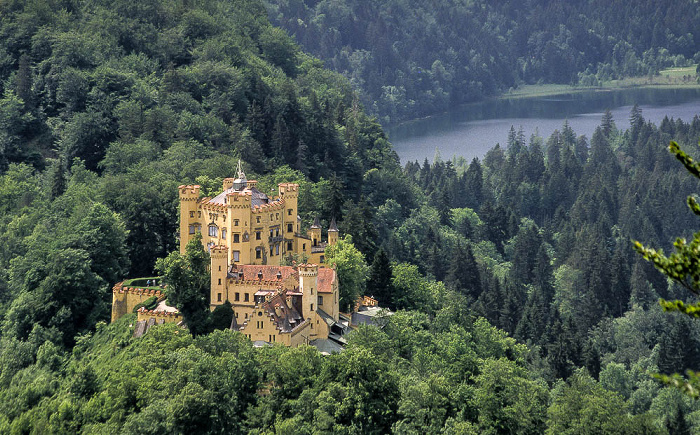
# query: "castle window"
[[199, 213], [213, 231], [237, 297], [320, 300], [219, 271], [311, 307], [272, 251], [218, 296], [312, 290], [321, 259], [223, 233], [289, 246], [219, 284], [271, 216], [272, 233], [277, 232], [236, 238], [257, 219], [246, 297], [210, 245], [289, 212], [193, 228], [191, 214], [303, 246], [277, 249], [235, 222], [258, 253], [258, 235], [277, 215], [236, 256], [236, 314], [290, 228]]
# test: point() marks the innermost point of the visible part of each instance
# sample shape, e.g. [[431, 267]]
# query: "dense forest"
[[520, 305], [411, 58]]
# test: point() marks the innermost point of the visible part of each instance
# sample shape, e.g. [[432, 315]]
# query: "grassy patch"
[[683, 77], [143, 282]]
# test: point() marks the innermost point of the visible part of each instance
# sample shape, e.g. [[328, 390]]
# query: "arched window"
[[213, 230]]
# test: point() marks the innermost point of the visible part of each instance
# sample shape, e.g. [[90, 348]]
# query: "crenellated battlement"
[[189, 192], [144, 313], [308, 270], [137, 291], [278, 204]]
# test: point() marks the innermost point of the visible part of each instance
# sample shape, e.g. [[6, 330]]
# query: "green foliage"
[[582, 406], [681, 266], [351, 268], [148, 304], [188, 280]]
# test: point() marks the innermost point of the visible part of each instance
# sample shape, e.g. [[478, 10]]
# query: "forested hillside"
[[411, 58], [520, 304]]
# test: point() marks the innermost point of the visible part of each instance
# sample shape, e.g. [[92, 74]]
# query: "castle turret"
[[289, 192], [308, 285], [240, 223], [219, 257], [189, 223], [315, 232], [332, 233]]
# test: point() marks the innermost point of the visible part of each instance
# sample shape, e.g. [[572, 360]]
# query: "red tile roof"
[[326, 278]]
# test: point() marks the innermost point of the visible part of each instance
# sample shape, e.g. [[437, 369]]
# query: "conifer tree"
[[490, 302], [58, 180], [463, 273], [607, 124], [379, 282]]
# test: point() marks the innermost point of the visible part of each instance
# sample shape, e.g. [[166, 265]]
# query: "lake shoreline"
[[471, 130], [553, 90]]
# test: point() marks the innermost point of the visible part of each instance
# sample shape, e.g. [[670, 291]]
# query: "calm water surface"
[[471, 130]]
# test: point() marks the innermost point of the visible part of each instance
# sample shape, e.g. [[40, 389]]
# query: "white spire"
[[240, 182], [239, 171]]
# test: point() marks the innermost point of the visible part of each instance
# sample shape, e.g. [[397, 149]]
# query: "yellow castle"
[[255, 228], [248, 236]]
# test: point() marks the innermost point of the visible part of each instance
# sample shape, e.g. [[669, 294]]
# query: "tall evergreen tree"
[[379, 282], [463, 273]]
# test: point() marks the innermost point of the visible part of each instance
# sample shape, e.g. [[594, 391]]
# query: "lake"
[[473, 129]]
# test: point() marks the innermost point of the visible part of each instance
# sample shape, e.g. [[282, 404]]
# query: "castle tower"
[[308, 285], [315, 232], [219, 256], [332, 233], [228, 183], [240, 222], [189, 219], [289, 192]]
